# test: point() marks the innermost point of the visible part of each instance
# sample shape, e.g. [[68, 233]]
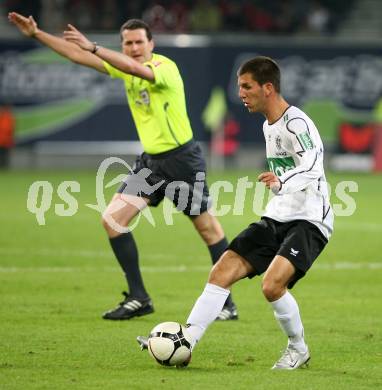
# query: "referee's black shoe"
[[130, 307], [229, 312]]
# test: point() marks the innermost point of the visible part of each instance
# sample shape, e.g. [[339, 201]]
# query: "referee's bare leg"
[[117, 217]]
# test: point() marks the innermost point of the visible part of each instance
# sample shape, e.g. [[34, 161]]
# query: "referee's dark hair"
[[136, 24], [263, 70]]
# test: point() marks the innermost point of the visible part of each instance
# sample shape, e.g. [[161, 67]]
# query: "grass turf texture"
[[57, 279]]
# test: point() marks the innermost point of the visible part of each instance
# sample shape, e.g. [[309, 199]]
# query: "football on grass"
[[170, 344]]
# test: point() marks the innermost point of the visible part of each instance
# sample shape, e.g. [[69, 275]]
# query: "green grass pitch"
[[57, 279]]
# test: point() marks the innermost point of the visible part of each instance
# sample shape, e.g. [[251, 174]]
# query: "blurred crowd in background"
[[316, 17]]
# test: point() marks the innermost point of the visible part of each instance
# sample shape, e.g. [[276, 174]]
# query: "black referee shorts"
[[182, 172], [299, 241]]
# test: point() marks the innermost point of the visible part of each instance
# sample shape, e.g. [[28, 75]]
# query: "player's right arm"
[[73, 52]]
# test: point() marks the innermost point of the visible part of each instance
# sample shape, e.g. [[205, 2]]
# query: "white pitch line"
[[347, 266], [159, 269], [54, 252], [358, 226], [180, 268], [73, 253], [152, 256]]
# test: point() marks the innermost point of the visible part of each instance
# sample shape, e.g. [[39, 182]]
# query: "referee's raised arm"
[[122, 61], [69, 50]]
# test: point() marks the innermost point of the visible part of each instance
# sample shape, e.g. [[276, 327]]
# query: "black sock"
[[216, 250], [126, 252]]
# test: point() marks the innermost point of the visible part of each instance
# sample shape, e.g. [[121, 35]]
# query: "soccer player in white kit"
[[297, 223]]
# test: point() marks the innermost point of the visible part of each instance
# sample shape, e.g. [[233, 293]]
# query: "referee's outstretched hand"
[[27, 26], [75, 36]]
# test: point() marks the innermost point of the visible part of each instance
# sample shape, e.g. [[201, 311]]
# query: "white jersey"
[[295, 154]]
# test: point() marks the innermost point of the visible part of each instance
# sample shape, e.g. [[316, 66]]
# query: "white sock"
[[288, 315], [206, 309]]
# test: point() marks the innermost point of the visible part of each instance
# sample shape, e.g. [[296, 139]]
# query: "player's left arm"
[[308, 157], [118, 60], [271, 181]]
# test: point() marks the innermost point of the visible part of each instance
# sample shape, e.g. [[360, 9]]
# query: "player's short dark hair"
[[136, 24], [263, 70]]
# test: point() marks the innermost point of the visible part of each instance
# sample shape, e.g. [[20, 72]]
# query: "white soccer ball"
[[170, 344]]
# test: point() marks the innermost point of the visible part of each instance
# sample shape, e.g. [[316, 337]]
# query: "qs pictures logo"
[[40, 196], [182, 196]]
